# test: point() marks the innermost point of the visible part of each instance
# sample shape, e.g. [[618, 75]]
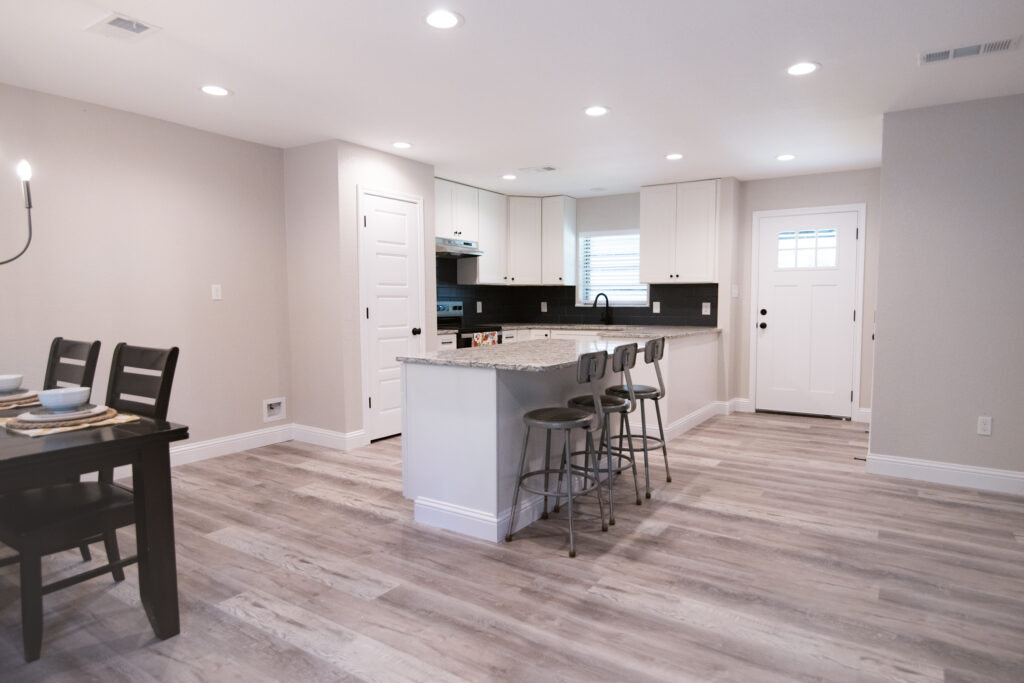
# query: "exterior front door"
[[805, 311]]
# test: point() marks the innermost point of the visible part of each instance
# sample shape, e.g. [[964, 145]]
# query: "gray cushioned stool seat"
[[639, 390], [559, 418], [611, 404]]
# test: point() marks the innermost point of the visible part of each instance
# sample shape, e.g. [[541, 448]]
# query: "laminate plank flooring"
[[771, 556]]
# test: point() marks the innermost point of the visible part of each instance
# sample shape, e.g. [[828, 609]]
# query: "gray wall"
[[951, 277], [134, 219], [321, 189]]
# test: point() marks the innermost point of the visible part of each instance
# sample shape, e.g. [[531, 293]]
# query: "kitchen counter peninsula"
[[462, 425]]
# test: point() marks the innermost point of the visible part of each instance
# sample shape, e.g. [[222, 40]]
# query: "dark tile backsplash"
[[680, 304]]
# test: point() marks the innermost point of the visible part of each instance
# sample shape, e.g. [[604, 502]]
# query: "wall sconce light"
[[25, 173]]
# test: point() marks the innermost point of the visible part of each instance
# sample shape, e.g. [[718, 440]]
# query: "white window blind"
[[610, 263]]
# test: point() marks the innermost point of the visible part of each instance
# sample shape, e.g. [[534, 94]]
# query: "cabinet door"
[[657, 233], [492, 267], [509, 336], [573, 334], [558, 241], [443, 208], [540, 334], [696, 231], [524, 240], [465, 209]]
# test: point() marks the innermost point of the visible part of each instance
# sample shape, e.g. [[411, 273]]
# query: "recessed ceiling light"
[[509, 176], [674, 156], [216, 90], [401, 145], [596, 110], [803, 68], [786, 157], [443, 18]]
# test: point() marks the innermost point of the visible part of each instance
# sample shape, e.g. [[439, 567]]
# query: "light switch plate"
[[705, 308], [735, 291], [215, 292], [543, 306], [656, 307], [984, 425], [479, 306]]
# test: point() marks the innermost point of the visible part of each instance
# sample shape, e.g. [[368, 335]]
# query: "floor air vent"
[[951, 53]]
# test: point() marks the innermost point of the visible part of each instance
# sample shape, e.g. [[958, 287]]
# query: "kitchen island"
[[462, 412]]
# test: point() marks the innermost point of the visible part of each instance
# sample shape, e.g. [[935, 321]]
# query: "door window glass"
[[807, 249]]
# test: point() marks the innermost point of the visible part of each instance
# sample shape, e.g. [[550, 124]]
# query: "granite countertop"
[[538, 355]]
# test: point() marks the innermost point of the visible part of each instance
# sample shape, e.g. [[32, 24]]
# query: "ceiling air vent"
[[122, 28], [948, 54], [537, 169]]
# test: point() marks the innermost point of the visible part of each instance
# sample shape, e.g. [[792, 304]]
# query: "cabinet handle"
[[559, 278]]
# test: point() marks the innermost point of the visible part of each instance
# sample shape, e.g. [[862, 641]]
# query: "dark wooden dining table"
[[28, 462]]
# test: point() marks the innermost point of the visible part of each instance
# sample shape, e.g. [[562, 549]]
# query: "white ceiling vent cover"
[[122, 28], [950, 53], [537, 169]]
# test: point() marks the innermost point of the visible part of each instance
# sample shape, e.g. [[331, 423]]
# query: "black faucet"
[[606, 317]]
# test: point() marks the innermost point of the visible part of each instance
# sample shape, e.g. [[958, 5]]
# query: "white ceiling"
[[507, 89]]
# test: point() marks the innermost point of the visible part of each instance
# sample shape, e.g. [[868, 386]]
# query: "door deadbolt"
[[764, 311]]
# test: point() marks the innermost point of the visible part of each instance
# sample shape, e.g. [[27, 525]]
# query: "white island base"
[[462, 424]]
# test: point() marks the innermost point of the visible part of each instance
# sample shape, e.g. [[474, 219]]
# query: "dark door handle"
[[416, 330], [763, 325], [764, 311]]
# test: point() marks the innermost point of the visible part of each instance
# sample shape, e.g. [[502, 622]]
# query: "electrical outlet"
[[705, 308], [543, 306], [273, 409], [656, 307], [479, 306], [215, 292], [984, 425]]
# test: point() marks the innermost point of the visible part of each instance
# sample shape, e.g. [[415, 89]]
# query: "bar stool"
[[623, 358], [654, 351], [589, 370]]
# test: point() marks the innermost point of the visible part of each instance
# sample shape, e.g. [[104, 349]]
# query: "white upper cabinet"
[[456, 210], [679, 232], [492, 267], [524, 240], [558, 241]]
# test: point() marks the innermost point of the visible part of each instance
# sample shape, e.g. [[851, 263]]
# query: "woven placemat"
[[22, 424], [23, 403]]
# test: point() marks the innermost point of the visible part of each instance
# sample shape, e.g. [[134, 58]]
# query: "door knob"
[[416, 330], [763, 325]]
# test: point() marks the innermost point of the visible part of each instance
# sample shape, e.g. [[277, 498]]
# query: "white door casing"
[[391, 301], [806, 359]]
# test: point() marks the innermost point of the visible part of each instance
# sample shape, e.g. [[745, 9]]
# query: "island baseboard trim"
[[952, 474], [682, 425]]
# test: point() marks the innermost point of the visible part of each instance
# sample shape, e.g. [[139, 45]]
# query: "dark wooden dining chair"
[[72, 363], [51, 519], [61, 372]]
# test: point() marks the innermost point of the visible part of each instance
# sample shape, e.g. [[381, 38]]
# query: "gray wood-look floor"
[[770, 557]]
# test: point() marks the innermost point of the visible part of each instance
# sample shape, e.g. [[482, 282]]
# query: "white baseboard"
[[476, 523], [683, 424], [741, 405], [970, 476], [343, 441], [862, 415]]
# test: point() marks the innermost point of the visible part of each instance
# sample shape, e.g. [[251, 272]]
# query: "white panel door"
[[805, 326], [389, 261]]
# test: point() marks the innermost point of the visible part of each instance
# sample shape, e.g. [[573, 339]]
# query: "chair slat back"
[[141, 379], [624, 360], [654, 351], [60, 372]]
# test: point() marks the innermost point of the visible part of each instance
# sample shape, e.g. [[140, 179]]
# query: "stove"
[[449, 317]]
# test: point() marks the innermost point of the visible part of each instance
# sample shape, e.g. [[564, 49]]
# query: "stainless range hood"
[[447, 247]]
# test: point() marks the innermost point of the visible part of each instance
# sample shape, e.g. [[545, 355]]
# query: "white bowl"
[[64, 400], [10, 382]]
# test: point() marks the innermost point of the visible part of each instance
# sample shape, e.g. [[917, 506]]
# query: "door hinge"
[[367, 313], [851, 395], [364, 221], [855, 315], [858, 234], [370, 399]]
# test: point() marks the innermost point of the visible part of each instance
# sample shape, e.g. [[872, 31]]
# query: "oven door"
[[469, 338]]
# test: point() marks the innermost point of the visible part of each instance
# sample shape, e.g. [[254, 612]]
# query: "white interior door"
[[390, 264], [805, 312]]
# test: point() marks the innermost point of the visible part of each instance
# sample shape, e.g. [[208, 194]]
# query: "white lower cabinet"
[[573, 334], [446, 341], [509, 336], [539, 334]]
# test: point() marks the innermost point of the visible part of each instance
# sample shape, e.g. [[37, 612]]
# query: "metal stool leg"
[[632, 453], [664, 448], [547, 466], [647, 467], [591, 453], [607, 444], [519, 481], [568, 481], [561, 471]]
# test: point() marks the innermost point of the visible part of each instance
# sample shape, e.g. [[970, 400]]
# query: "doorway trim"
[[364, 327], [858, 292]]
